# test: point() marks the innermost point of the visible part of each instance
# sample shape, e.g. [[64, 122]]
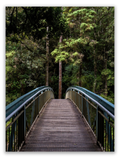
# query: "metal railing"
[[21, 115], [99, 114]]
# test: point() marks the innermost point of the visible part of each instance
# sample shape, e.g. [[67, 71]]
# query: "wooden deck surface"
[[60, 128]]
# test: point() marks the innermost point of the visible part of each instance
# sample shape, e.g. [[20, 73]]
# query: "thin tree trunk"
[[80, 74], [60, 74], [47, 58], [105, 61], [95, 73]]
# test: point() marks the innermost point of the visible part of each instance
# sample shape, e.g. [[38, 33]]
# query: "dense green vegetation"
[[33, 49]]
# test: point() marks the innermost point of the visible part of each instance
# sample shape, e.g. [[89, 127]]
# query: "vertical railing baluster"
[[110, 139], [82, 103], [20, 128], [113, 138], [14, 140], [72, 95], [79, 100], [15, 136], [100, 127], [9, 139], [38, 104], [97, 122], [32, 114], [88, 112], [6, 139], [24, 122], [75, 97], [105, 136]]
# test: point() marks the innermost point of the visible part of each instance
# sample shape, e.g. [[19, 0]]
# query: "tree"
[[60, 74], [91, 35], [26, 27], [47, 59], [81, 39]]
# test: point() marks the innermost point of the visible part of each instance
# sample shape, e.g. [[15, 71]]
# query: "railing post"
[[72, 95], [82, 103], [78, 100], [108, 130], [100, 127], [20, 128], [88, 112], [32, 114], [12, 136], [38, 103], [49, 94], [75, 98], [24, 122], [97, 122]]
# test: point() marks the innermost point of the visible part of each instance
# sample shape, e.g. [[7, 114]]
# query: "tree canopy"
[[86, 49]]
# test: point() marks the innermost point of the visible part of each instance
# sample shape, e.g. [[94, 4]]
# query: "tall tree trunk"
[[105, 62], [95, 73], [80, 74], [47, 58], [60, 74]]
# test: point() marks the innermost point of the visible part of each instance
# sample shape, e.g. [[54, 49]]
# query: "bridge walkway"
[[60, 127]]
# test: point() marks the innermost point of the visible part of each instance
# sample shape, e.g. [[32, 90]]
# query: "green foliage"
[[106, 72], [90, 41], [70, 75], [87, 49], [87, 80], [19, 66], [110, 98]]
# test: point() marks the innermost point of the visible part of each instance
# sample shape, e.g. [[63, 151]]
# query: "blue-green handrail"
[[103, 103], [15, 105], [22, 113], [108, 105], [101, 120]]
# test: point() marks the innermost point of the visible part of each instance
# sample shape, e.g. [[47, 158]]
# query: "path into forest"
[[60, 127]]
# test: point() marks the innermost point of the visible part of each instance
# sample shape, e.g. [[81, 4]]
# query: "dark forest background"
[[43, 41]]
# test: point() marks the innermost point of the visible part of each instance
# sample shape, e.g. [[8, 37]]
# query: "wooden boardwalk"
[[60, 128]]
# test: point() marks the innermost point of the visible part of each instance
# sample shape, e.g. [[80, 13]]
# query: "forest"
[[59, 47]]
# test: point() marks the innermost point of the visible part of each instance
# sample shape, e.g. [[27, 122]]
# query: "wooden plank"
[[60, 128]]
